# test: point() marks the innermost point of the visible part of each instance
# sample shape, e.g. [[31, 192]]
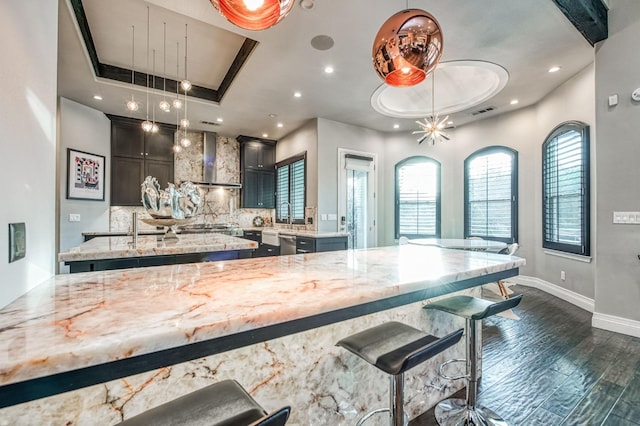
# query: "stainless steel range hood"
[[209, 174]]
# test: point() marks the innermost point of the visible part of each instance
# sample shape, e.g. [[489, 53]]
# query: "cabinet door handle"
[[302, 243], [142, 153]]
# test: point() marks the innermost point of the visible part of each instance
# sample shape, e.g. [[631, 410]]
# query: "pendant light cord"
[[164, 66], [133, 48], [147, 63], [433, 94]]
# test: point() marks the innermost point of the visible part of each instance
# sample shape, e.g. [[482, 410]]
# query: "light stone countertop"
[[88, 319], [150, 245]]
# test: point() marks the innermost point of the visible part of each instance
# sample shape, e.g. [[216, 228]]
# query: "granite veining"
[[153, 245], [73, 321]]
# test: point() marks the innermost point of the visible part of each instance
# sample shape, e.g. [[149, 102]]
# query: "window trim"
[[585, 233], [514, 191], [398, 165], [287, 162]]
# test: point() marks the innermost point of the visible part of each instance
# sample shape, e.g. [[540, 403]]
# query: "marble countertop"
[[87, 319], [149, 245]]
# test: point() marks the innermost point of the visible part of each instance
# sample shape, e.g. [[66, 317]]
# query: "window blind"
[[491, 195], [565, 175], [418, 198], [290, 189]]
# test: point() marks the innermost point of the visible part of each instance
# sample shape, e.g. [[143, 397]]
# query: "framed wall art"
[[85, 175]]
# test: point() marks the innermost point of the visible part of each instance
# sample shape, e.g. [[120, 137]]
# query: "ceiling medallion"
[[407, 47], [253, 14]]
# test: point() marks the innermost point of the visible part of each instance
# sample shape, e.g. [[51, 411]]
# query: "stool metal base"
[[455, 412]]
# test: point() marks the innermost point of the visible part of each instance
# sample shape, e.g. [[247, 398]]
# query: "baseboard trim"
[[567, 295], [617, 324]]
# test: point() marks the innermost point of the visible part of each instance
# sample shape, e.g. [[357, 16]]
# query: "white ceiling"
[[525, 37]]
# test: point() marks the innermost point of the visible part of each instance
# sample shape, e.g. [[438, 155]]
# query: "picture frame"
[[85, 175]]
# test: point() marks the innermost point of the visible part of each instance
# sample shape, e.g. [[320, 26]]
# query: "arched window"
[[565, 189], [417, 198], [491, 194]]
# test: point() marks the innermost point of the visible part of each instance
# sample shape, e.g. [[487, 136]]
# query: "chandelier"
[[432, 127]]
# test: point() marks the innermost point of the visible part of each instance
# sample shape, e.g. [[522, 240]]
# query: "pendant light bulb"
[[132, 105], [147, 126], [184, 123], [177, 148], [165, 106], [154, 128], [185, 142], [253, 5], [177, 103], [185, 85]]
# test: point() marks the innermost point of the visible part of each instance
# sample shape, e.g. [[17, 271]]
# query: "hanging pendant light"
[[147, 126], [407, 48], [433, 127], [253, 14], [177, 103], [164, 105], [176, 145], [185, 84], [132, 105]]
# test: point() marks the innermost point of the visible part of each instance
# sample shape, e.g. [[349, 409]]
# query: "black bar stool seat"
[[224, 403], [463, 412], [394, 348]]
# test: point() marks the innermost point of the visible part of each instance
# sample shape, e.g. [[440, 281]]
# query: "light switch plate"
[[17, 241], [613, 100]]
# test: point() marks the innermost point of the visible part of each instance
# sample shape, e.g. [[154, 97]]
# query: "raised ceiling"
[[525, 38]]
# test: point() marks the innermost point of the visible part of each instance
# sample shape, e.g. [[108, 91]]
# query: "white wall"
[[28, 78], [618, 156], [89, 130], [331, 136]]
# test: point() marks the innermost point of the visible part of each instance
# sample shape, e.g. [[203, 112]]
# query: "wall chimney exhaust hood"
[[209, 173]]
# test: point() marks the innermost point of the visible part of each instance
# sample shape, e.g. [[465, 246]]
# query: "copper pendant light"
[[407, 47], [253, 14]]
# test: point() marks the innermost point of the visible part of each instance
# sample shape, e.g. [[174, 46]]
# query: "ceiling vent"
[[482, 111], [210, 123]]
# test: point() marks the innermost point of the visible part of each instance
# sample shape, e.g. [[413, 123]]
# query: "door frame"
[[342, 195]]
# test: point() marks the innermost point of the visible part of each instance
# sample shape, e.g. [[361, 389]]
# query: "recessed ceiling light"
[[97, 97], [449, 122], [219, 120], [328, 69], [554, 69], [297, 94], [514, 102], [273, 115], [265, 135], [396, 126], [280, 125], [307, 4]]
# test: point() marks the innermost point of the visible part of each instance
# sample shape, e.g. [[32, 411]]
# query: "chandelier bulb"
[[184, 123], [154, 128], [147, 126], [185, 142], [177, 103], [165, 106], [177, 148], [185, 85], [132, 105]]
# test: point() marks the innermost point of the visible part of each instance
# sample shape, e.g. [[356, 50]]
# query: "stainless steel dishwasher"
[[287, 244]]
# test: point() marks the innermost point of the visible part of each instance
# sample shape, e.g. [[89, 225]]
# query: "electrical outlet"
[[74, 217]]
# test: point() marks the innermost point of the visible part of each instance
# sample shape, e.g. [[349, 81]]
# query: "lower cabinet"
[[316, 245], [263, 250]]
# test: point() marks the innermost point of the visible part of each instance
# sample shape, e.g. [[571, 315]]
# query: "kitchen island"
[[119, 252], [143, 336]]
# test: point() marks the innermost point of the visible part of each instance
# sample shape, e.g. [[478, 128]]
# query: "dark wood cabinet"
[[136, 155], [263, 250], [316, 245], [258, 189], [258, 172]]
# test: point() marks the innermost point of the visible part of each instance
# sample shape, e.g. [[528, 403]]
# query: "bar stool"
[[394, 348], [457, 411], [224, 403]]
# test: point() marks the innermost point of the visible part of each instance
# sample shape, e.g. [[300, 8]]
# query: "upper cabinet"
[[257, 154], [258, 172], [135, 155]]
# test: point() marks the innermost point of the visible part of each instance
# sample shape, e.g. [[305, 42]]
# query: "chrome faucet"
[[288, 212]]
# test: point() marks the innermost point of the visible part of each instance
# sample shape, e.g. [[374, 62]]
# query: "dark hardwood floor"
[[552, 368]]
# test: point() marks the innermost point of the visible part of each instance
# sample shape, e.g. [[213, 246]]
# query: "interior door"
[[356, 206]]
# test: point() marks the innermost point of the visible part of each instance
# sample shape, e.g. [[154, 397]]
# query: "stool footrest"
[[445, 364]]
